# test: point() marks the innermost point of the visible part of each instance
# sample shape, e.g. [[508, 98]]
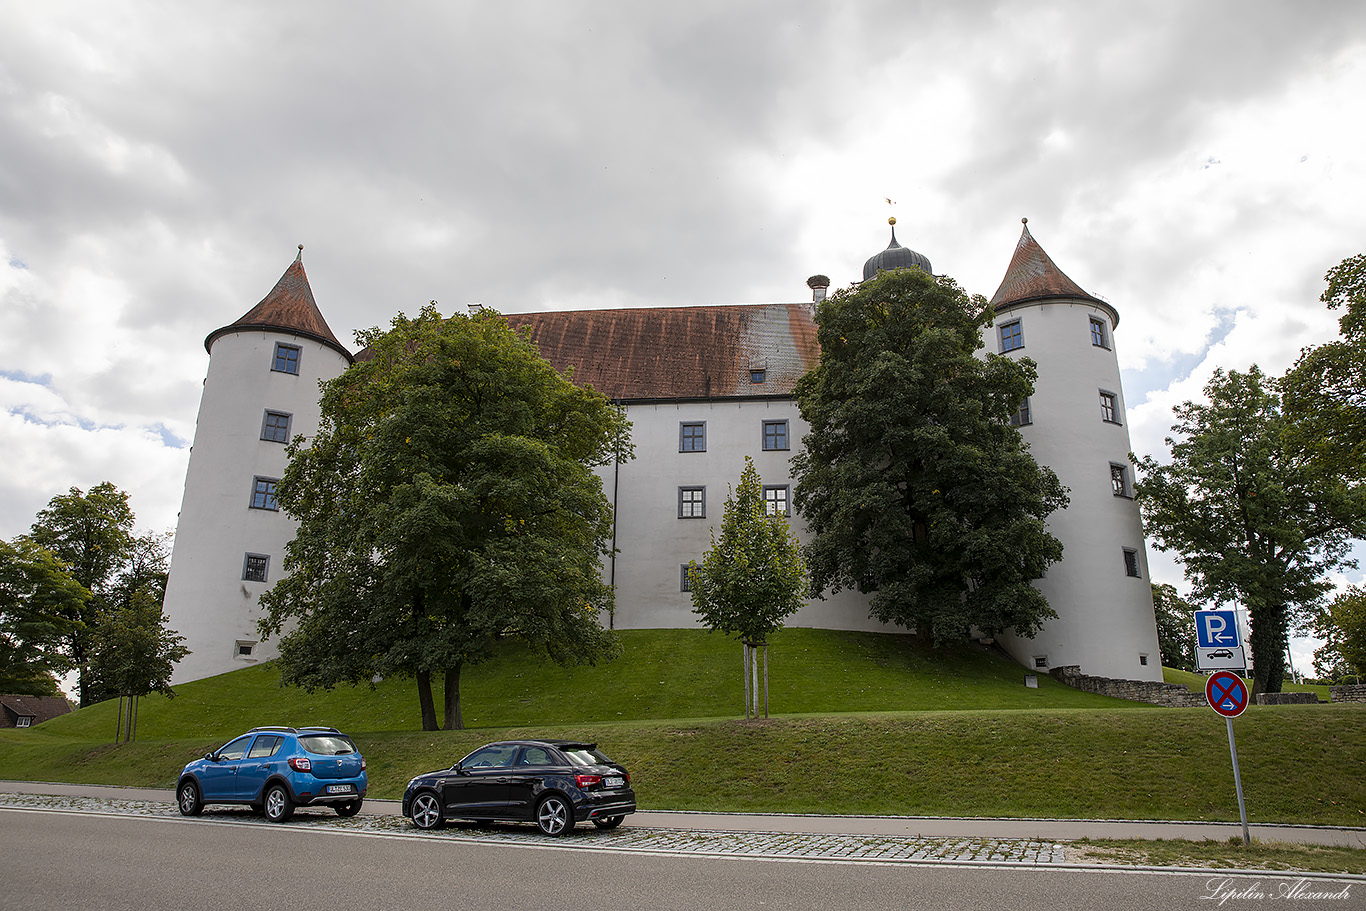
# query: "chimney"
[[818, 285]]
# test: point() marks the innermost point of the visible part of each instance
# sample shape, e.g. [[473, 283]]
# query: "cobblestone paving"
[[846, 848]]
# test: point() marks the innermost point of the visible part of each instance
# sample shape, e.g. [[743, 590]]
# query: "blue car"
[[276, 769]]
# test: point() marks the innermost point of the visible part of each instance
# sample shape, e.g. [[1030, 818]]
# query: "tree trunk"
[[424, 698], [454, 720], [118, 727], [1268, 641], [765, 679], [744, 675]]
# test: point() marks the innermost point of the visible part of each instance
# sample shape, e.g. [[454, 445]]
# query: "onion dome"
[[288, 308], [895, 257], [1033, 276]]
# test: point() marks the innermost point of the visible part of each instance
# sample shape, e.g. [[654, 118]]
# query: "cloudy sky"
[[1197, 164]]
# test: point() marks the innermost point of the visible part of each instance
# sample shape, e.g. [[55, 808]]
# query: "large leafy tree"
[[1249, 517], [752, 578], [447, 501], [38, 598], [1175, 627], [92, 533], [1325, 392], [915, 485]]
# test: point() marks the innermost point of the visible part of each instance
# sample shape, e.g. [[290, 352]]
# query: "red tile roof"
[[290, 308], [1032, 276], [678, 352]]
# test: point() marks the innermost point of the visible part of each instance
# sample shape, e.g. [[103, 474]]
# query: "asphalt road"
[[54, 860]]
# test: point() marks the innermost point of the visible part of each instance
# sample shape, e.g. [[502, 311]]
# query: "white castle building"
[[703, 387]]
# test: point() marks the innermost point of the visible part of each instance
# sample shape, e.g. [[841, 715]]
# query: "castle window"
[[775, 501], [1143, 660], [692, 502], [1119, 480], [684, 580], [286, 358], [1041, 661], [692, 436], [1021, 416], [1099, 337], [775, 435], [275, 427], [1012, 336], [1131, 562], [263, 493], [1109, 407], [243, 649], [758, 376], [255, 568], [23, 721]]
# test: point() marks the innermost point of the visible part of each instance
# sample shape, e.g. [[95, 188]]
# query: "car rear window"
[[327, 744], [584, 756]]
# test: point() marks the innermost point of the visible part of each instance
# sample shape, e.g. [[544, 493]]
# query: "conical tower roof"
[[288, 308], [1033, 276]]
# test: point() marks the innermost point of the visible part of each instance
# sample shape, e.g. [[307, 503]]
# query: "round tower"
[[1075, 423], [261, 391]]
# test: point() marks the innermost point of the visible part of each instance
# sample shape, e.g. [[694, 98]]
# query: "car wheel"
[[347, 810], [189, 800], [554, 816], [427, 811], [279, 807], [608, 822]]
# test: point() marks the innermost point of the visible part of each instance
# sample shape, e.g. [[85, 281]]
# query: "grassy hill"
[[864, 723]]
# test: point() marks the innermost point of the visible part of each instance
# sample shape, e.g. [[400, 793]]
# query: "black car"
[[553, 783]]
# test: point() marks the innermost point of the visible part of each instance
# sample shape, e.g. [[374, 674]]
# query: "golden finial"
[[892, 220]]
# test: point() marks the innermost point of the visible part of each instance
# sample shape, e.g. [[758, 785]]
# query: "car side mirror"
[[458, 770], [211, 757]]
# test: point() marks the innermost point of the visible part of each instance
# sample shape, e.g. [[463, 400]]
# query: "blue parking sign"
[[1217, 629]]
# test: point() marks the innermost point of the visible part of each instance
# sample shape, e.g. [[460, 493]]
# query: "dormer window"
[[758, 375]]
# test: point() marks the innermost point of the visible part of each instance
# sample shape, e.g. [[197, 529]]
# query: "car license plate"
[[339, 789], [613, 781]]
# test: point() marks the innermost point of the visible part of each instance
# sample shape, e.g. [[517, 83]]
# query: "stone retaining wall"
[[1351, 693], [1287, 698], [1169, 694]]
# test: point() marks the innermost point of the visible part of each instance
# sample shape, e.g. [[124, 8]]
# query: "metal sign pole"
[[1238, 781]]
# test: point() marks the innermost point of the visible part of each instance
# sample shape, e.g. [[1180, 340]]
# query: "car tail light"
[[587, 781], [362, 763], [301, 764]]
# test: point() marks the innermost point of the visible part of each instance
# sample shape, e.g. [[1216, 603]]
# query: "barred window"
[[692, 502], [775, 501], [256, 568]]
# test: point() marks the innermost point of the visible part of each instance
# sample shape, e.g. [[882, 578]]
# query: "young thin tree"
[[1175, 627], [751, 579], [915, 485], [134, 653], [447, 501], [1249, 517]]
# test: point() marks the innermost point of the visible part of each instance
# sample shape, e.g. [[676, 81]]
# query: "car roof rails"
[[273, 727], [319, 730]]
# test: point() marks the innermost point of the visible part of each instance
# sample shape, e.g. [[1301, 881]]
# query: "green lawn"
[[864, 723]]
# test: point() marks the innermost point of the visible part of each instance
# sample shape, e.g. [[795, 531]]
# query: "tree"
[[1175, 627], [133, 653], [1325, 392], [38, 597], [751, 579], [92, 534], [1249, 517], [1343, 626], [447, 501], [915, 485]]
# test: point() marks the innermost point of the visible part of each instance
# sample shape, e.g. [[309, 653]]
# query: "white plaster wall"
[[654, 542], [1105, 617], [207, 600]]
